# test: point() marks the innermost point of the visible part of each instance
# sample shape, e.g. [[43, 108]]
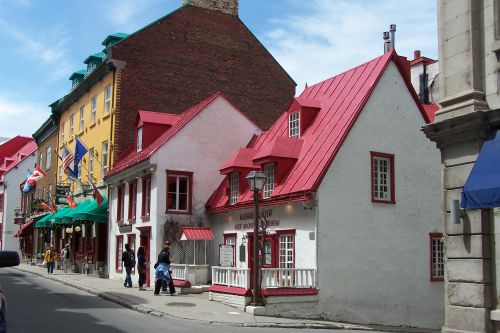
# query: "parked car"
[[7, 259]]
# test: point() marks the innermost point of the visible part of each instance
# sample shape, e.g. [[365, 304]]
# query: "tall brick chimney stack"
[[226, 6]]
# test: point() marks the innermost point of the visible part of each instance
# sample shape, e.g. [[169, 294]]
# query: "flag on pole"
[[46, 207], [67, 158], [33, 178], [71, 202], [97, 195], [80, 151]]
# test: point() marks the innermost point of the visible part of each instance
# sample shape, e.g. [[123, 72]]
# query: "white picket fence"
[[231, 277], [288, 278], [271, 277], [179, 272]]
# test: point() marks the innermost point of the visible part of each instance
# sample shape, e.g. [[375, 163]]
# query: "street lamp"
[[256, 181]]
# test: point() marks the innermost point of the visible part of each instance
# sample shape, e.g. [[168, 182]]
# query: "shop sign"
[[61, 194], [226, 255], [125, 228]]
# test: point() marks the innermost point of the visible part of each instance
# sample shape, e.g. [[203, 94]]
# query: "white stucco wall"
[[433, 81], [289, 216], [12, 199], [201, 147], [373, 259]]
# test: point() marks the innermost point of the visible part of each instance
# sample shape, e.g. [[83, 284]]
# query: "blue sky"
[[44, 41]]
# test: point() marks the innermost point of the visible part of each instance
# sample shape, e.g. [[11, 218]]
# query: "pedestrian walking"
[[141, 267], [171, 285], [128, 259], [162, 272], [66, 258], [50, 259]]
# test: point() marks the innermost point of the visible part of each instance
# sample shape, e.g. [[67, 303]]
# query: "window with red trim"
[[179, 192], [132, 200], [120, 204], [119, 252], [382, 176], [146, 196], [436, 256]]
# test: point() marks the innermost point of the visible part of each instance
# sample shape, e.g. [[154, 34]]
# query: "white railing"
[[288, 278], [179, 272], [231, 277]]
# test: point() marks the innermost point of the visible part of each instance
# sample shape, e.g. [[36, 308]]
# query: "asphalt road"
[[38, 305]]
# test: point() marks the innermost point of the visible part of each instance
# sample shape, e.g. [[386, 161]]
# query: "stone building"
[[469, 115]]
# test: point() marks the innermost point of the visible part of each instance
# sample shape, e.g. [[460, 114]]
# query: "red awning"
[[188, 233], [24, 228]]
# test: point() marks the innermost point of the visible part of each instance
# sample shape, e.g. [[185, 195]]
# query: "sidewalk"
[[194, 307]]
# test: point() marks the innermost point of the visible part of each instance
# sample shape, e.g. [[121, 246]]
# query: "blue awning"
[[482, 188]]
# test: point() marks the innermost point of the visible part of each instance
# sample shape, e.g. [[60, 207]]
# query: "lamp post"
[[256, 181]]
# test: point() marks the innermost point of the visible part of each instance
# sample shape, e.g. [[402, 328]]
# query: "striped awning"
[[191, 233]]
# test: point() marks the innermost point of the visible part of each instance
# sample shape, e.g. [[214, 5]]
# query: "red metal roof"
[[9, 148], [280, 147], [191, 233], [157, 118], [430, 110], [135, 157], [242, 158], [341, 98], [12, 161]]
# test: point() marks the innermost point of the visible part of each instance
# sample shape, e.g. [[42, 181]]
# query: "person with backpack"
[[128, 258], [50, 259], [66, 258]]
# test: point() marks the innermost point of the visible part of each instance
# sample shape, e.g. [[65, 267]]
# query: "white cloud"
[[331, 36], [20, 117], [123, 11], [49, 51]]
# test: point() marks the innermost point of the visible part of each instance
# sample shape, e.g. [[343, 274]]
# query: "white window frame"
[[177, 193], [286, 250], [91, 164], [40, 161], [93, 109], [139, 139], [234, 188], [71, 125], [60, 174], [49, 194], [437, 257], [104, 158], [82, 119], [80, 172], [294, 124], [269, 185], [382, 168], [107, 99], [48, 158], [63, 140]]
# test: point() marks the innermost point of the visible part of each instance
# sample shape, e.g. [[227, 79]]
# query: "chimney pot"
[[416, 54]]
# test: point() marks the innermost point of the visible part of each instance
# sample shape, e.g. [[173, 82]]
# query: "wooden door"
[[144, 241]]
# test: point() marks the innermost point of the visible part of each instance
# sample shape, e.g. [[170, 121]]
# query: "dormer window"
[[90, 67], [269, 185], [234, 188], [139, 139], [294, 125]]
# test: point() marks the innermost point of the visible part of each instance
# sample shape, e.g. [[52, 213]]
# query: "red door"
[[144, 241]]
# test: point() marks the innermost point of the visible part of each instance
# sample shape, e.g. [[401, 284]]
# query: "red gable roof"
[[9, 148], [341, 98], [18, 156], [242, 158], [157, 118], [135, 157]]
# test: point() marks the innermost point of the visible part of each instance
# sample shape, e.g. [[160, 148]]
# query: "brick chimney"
[[226, 6]]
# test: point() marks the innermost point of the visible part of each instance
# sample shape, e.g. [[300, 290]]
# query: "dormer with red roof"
[[301, 112], [151, 125]]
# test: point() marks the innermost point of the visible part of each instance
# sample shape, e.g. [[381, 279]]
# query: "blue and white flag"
[[80, 151]]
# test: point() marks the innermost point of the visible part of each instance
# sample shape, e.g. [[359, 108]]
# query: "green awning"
[[56, 218], [93, 212], [41, 222], [68, 217]]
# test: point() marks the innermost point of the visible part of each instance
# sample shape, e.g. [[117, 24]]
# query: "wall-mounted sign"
[[61, 194], [125, 228], [226, 255]]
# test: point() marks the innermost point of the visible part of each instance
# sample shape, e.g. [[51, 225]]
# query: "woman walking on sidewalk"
[[66, 258], [162, 273], [141, 267], [50, 259]]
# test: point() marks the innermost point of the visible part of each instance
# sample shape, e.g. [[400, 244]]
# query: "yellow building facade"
[[91, 119]]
